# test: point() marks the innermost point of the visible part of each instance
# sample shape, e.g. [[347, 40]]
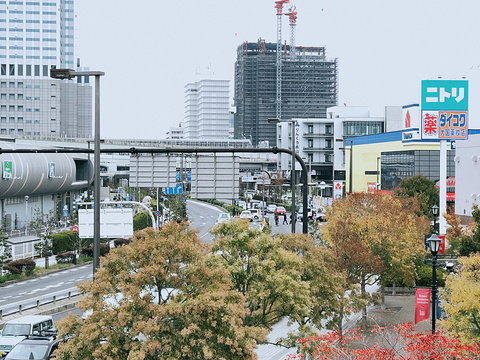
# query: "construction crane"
[[279, 6], [292, 16]]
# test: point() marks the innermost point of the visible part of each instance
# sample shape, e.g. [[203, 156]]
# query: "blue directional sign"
[[65, 210], [74, 204], [173, 190]]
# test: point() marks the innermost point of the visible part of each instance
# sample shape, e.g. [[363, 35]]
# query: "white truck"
[[312, 214]]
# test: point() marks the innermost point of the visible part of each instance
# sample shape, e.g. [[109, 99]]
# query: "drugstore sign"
[[444, 109]]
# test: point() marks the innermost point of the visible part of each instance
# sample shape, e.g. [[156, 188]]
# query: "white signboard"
[[114, 223]]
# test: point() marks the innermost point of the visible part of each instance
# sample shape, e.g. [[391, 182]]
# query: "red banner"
[[441, 248], [422, 305]]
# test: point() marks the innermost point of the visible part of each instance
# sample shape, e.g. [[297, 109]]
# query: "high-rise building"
[[36, 36], [207, 114], [308, 82]]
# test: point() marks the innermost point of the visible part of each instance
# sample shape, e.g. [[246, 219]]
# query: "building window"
[[3, 96], [20, 70], [310, 158], [4, 120], [328, 143], [11, 84], [20, 96], [328, 158], [11, 96], [29, 70], [20, 85], [310, 129], [310, 143], [20, 108], [37, 70], [20, 120], [328, 129], [11, 119], [11, 108], [12, 69]]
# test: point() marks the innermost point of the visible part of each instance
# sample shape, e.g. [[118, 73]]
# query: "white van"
[[16, 330]]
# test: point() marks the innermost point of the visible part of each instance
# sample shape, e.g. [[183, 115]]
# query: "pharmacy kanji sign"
[[444, 109]]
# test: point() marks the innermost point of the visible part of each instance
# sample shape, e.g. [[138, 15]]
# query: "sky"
[[150, 49]]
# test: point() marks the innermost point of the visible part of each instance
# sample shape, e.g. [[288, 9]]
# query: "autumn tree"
[[470, 242], [399, 342], [461, 299], [172, 306], [375, 237], [422, 189]]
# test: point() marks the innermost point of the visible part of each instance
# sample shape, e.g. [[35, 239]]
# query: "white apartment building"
[[36, 36], [207, 114], [321, 142]]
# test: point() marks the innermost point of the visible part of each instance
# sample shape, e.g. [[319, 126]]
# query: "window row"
[[19, 69], [19, 97]]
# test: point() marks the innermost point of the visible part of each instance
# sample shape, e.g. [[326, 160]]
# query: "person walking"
[[285, 221]]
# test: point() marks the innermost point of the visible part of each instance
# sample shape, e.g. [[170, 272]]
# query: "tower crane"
[[279, 6], [292, 16]]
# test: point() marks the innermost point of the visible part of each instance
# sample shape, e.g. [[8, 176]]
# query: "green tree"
[[177, 207], [172, 305], [43, 226], [141, 221], [461, 299], [423, 190], [470, 243], [5, 249]]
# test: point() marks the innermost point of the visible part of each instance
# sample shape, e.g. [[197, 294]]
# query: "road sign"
[[7, 169], [444, 109], [157, 213], [65, 210], [75, 228], [173, 190]]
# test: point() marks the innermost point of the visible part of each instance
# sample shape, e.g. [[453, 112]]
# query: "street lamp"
[[435, 213], [434, 242], [26, 214], [70, 74], [276, 121]]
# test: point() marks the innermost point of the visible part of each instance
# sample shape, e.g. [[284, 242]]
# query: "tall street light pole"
[[434, 242], [70, 74], [292, 177]]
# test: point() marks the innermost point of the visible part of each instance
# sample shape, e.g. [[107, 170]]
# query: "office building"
[[308, 83], [36, 36], [207, 114]]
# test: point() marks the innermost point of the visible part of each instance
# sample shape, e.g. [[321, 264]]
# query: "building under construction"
[[297, 82]]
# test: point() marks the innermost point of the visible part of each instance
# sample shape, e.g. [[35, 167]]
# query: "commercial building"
[[36, 36], [207, 110], [308, 87], [321, 142]]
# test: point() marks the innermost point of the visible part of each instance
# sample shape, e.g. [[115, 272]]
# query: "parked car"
[[246, 214], [280, 210], [223, 217], [34, 347], [18, 329], [255, 214]]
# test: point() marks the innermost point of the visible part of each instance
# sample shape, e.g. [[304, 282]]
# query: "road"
[[42, 289]]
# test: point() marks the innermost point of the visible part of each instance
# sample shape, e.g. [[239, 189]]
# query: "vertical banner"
[[422, 305], [441, 248], [337, 189]]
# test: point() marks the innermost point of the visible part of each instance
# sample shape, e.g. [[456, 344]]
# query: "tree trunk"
[[46, 262], [363, 322]]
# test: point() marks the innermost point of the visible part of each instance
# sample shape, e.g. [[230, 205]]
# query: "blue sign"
[[127, 197], [450, 95], [119, 190], [74, 204], [157, 212], [173, 190], [189, 176], [65, 210]]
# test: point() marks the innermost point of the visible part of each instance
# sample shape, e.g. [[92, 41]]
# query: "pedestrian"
[[285, 219]]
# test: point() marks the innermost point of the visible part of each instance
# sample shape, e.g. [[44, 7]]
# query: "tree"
[[172, 306], [177, 207], [470, 243], [289, 275], [265, 273], [423, 190], [5, 249], [401, 342], [43, 226], [461, 299], [375, 237]]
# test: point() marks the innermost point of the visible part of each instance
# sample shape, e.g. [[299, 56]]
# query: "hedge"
[[20, 266], [88, 251]]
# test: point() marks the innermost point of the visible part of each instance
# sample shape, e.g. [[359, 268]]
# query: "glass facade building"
[[398, 165]]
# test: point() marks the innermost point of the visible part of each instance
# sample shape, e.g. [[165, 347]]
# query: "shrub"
[[63, 242], [88, 251], [121, 242], [68, 257], [21, 266]]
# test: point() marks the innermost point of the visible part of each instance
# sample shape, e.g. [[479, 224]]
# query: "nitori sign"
[[444, 109]]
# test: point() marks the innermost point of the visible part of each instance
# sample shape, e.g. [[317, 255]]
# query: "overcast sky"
[[150, 49]]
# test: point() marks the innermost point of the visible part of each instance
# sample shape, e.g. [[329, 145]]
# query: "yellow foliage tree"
[[172, 306], [375, 236], [461, 299]]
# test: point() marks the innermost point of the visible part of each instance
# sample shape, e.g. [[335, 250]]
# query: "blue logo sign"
[[65, 210], [449, 95]]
